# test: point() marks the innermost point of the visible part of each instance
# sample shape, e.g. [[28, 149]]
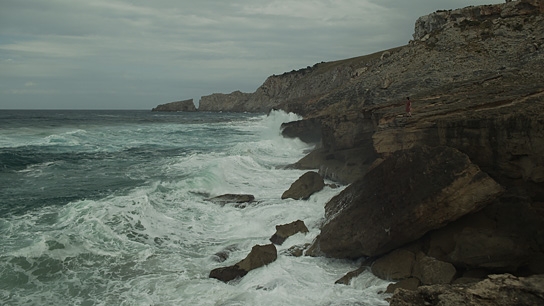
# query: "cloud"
[[136, 54]]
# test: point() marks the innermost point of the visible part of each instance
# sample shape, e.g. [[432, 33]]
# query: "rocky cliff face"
[[287, 91], [460, 182], [179, 106], [475, 77]]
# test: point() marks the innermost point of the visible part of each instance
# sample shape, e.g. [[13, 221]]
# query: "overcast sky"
[[135, 54]]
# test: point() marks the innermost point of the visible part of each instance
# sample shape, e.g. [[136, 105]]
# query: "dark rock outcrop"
[[308, 184], [232, 198], [502, 289], [397, 265], [407, 195], [285, 231], [431, 271], [259, 256], [179, 106]]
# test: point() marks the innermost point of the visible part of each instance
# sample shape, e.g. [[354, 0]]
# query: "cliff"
[[452, 193], [179, 106], [458, 187]]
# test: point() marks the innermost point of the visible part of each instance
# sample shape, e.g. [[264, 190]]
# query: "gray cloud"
[[136, 54]]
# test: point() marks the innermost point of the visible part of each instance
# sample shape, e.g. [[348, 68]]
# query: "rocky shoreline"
[[450, 201]]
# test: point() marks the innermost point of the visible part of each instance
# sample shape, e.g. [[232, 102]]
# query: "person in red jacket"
[[408, 107]]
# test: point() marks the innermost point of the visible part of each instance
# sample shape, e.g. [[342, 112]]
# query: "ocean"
[[110, 208]]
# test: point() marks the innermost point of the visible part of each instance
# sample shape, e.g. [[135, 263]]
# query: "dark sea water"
[[109, 208]]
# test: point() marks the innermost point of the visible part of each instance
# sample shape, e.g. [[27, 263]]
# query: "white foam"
[[155, 244]]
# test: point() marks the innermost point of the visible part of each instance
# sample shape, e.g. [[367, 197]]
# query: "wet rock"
[[227, 274], [430, 187], [224, 254], [308, 184], [308, 131], [296, 250], [365, 265], [232, 198], [287, 230], [503, 289], [406, 284], [259, 256]]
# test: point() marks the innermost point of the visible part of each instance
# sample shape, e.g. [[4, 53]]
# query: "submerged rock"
[[308, 184]]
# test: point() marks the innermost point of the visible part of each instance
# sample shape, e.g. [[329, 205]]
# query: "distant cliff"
[[217, 102], [179, 106]]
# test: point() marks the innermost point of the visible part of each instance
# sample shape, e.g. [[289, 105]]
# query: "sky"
[[135, 54]]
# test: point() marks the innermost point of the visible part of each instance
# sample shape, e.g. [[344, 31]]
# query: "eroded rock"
[[503, 289], [407, 195], [259, 256], [308, 184], [285, 231], [232, 198], [396, 265]]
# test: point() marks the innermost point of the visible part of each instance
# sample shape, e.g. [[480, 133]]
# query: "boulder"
[[308, 184], [259, 256], [226, 274], [503, 289], [396, 265], [407, 195], [287, 230], [431, 271]]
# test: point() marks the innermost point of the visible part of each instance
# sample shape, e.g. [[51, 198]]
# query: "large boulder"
[[259, 256], [308, 184], [285, 231], [407, 195], [501, 289]]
